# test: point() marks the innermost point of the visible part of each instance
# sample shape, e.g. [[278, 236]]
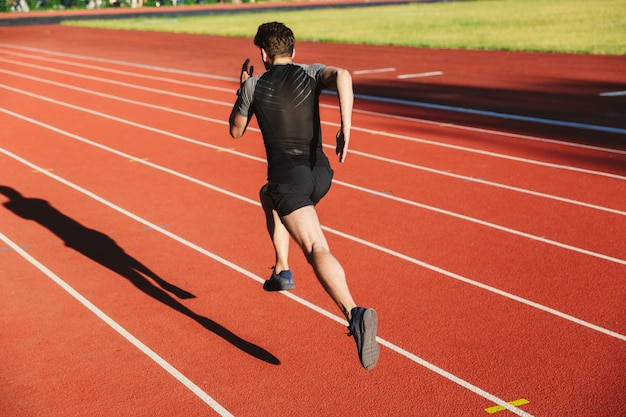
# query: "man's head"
[[275, 39]]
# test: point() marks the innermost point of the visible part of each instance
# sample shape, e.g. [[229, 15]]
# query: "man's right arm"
[[238, 123]]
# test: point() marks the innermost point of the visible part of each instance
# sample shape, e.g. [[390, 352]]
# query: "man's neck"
[[282, 60]]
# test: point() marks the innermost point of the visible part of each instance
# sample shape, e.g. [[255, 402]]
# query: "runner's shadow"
[[102, 249]]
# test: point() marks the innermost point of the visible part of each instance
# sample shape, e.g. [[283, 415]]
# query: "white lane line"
[[395, 348], [213, 120], [120, 83], [141, 126], [485, 182], [336, 232], [366, 97], [420, 75], [120, 62], [487, 224], [613, 94], [352, 151], [356, 187], [483, 130], [228, 104], [364, 189], [199, 392], [506, 116], [172, 80], [373, 71], [370, 131], [168, 79], [485, 153]]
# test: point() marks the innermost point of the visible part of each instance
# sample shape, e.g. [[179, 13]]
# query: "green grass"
[[571, 26]]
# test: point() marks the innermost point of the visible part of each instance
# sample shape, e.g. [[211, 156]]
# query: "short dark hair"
[[276, 38]]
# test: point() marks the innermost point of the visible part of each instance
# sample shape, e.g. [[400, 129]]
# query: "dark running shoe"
[[279, 282], [363, 325]]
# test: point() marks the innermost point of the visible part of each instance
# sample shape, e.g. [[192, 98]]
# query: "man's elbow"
[[236, 133], [344, 77]]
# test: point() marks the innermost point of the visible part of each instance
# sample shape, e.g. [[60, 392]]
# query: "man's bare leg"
[[304, 226], [278, 233]]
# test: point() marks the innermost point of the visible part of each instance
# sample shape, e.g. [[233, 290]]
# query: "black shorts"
[[306, 188]]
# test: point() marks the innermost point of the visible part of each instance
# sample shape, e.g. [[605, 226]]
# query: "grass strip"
[[570, 26]]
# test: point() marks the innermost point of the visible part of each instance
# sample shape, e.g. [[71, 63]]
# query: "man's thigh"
[[304, 226]]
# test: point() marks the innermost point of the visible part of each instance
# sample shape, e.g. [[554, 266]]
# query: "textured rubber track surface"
[[133, 248]]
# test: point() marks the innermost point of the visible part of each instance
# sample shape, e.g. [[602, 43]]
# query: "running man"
[[285, 101]]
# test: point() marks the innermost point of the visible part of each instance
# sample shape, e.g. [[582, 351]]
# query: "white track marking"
[[507, 116], [352, 151], [120, 83], [104, 95], [100, 68], [223, 122], [420, 75], [613, 94], [199, 392], [373, 71], [141, 126], [483, 130], [172, 80], [356, 187], [372, 98], [486, 153], [249, 274], [366, 97], [481, 285], [487, 224], [485, 182], [354, 128], [336, 232], [120, 62]]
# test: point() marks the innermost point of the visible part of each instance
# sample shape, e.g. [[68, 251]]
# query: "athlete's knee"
[[316, 251]]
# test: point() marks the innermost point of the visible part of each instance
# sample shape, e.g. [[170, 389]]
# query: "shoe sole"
[[283, 287], [370, 350]]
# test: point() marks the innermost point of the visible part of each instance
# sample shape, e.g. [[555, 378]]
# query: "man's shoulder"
[[314, 70]]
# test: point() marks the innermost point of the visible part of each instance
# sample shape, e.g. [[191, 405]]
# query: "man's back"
[[285, 102]]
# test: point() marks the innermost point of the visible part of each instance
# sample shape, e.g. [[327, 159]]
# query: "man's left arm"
[[340, 80]]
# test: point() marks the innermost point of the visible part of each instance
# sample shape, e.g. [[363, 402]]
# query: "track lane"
[[298, 334], [539, 89], [449, 316], [467, 260], [64, 359], [127, 112], [390, 315], [194, 96]]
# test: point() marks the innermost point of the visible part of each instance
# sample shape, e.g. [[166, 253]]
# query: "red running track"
[[133, 248]]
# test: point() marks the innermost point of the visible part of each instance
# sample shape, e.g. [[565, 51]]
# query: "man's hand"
[[245, 72], [342, 144]]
